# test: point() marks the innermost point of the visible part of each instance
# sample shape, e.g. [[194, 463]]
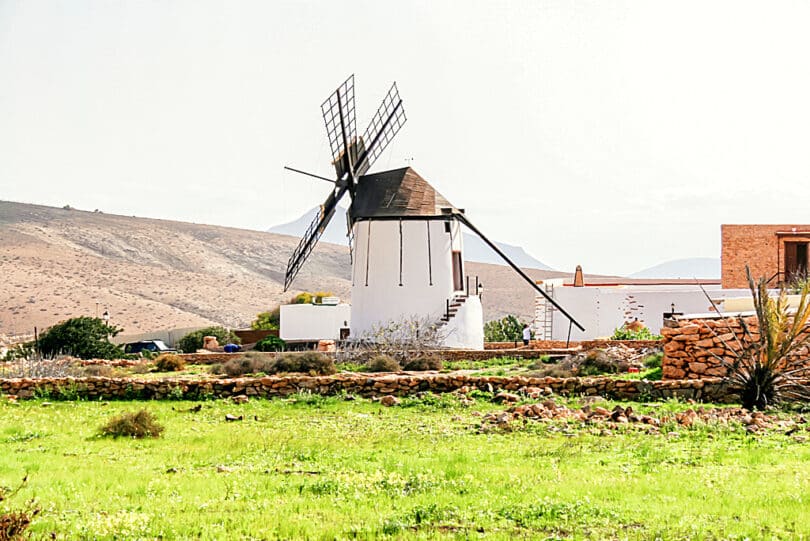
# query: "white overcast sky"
[[615, 135]]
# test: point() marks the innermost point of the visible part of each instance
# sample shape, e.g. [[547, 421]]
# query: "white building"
[[408, 259], [314, 322], [604, 305]]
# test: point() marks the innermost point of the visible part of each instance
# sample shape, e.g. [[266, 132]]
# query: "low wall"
[[447, 355], [691, 346], [584, 344], [368, 386]]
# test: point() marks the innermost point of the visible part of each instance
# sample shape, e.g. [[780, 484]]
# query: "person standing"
[[527, 335]]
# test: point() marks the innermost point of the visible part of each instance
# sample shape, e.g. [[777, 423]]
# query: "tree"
[[194, 340], [83, 337], [770, 361], [507, 329], [267, 321]]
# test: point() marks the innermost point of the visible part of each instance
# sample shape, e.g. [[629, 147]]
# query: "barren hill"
[[158, 274]]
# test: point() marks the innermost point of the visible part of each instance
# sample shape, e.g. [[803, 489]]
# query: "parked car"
[[154, 346]]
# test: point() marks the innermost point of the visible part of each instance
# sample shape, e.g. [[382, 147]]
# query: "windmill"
[[405, 237]]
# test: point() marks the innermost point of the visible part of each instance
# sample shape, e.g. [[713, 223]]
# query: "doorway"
[[795, 261], [458, 272]]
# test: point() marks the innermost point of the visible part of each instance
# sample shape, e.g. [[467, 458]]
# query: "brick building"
[[777, 252]]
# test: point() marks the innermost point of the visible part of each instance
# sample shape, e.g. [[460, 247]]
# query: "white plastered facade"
[[403, 268]]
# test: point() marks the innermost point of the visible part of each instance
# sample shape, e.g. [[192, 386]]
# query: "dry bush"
[[14, 523], [250, 363], [139, 424], [383, 363], [141, 368], [170, 362], [591, 363], [307, 362], [400, 339], [423, 362], [98, 370], [40, 368]]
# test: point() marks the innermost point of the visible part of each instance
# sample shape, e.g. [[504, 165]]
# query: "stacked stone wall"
[[96, 388], [693, 347]]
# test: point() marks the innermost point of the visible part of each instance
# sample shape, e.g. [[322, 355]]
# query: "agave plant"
[[770, 363]]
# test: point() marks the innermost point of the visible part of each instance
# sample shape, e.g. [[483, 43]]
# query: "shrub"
[[15, 522], [423, 362], [309, 298], [194, 340], [765, 365], [308, 362], [23, 351], [98, 371], [170, 362], [626, 332], [270, 343], [83, 337], [234, 368], [139, 424], [507, 329], [383, 363], [141, 368], [597, 362], [654, 361], [267, 321]]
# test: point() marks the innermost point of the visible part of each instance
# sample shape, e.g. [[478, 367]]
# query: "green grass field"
[[327, 468]]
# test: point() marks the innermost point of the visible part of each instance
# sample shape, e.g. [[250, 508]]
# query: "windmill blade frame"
[[384, 125], [310, 238], [339, 116]]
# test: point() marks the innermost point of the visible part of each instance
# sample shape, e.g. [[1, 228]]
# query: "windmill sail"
[[310, 238], [385, 124], [341, 127], [351, 156]]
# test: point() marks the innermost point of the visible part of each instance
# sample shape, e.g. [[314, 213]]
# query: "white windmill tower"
[[406, 242]]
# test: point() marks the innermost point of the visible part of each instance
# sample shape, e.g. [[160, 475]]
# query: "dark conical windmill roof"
[[396, 193]]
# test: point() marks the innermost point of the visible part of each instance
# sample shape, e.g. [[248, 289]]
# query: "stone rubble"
[[548, 411]]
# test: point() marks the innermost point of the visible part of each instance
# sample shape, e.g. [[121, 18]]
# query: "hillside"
[[149, 274], [158, 274]]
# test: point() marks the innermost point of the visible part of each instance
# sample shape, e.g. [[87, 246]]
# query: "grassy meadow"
[[310, 467]]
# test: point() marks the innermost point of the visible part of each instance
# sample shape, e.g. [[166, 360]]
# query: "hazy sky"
[[612, 134]]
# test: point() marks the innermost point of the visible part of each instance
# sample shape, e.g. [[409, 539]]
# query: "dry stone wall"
[[707, 390], [692, 346]]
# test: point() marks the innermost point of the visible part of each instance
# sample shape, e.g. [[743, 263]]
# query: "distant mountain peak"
[[693, 267], [474, 248]]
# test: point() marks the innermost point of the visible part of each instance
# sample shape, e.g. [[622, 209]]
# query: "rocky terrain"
[[160, 274]]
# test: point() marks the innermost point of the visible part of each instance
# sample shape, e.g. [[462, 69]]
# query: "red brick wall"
[[756, 246]]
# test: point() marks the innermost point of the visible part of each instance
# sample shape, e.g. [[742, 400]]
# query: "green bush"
[[310, 298], [139, 424], [308, 362], [170, 362], [623, 333], [507, 329], [194, 340], [26, 351], [654, 361], [421, 363], [270, 343], [267, 321], [383, 363], [83, 337]]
